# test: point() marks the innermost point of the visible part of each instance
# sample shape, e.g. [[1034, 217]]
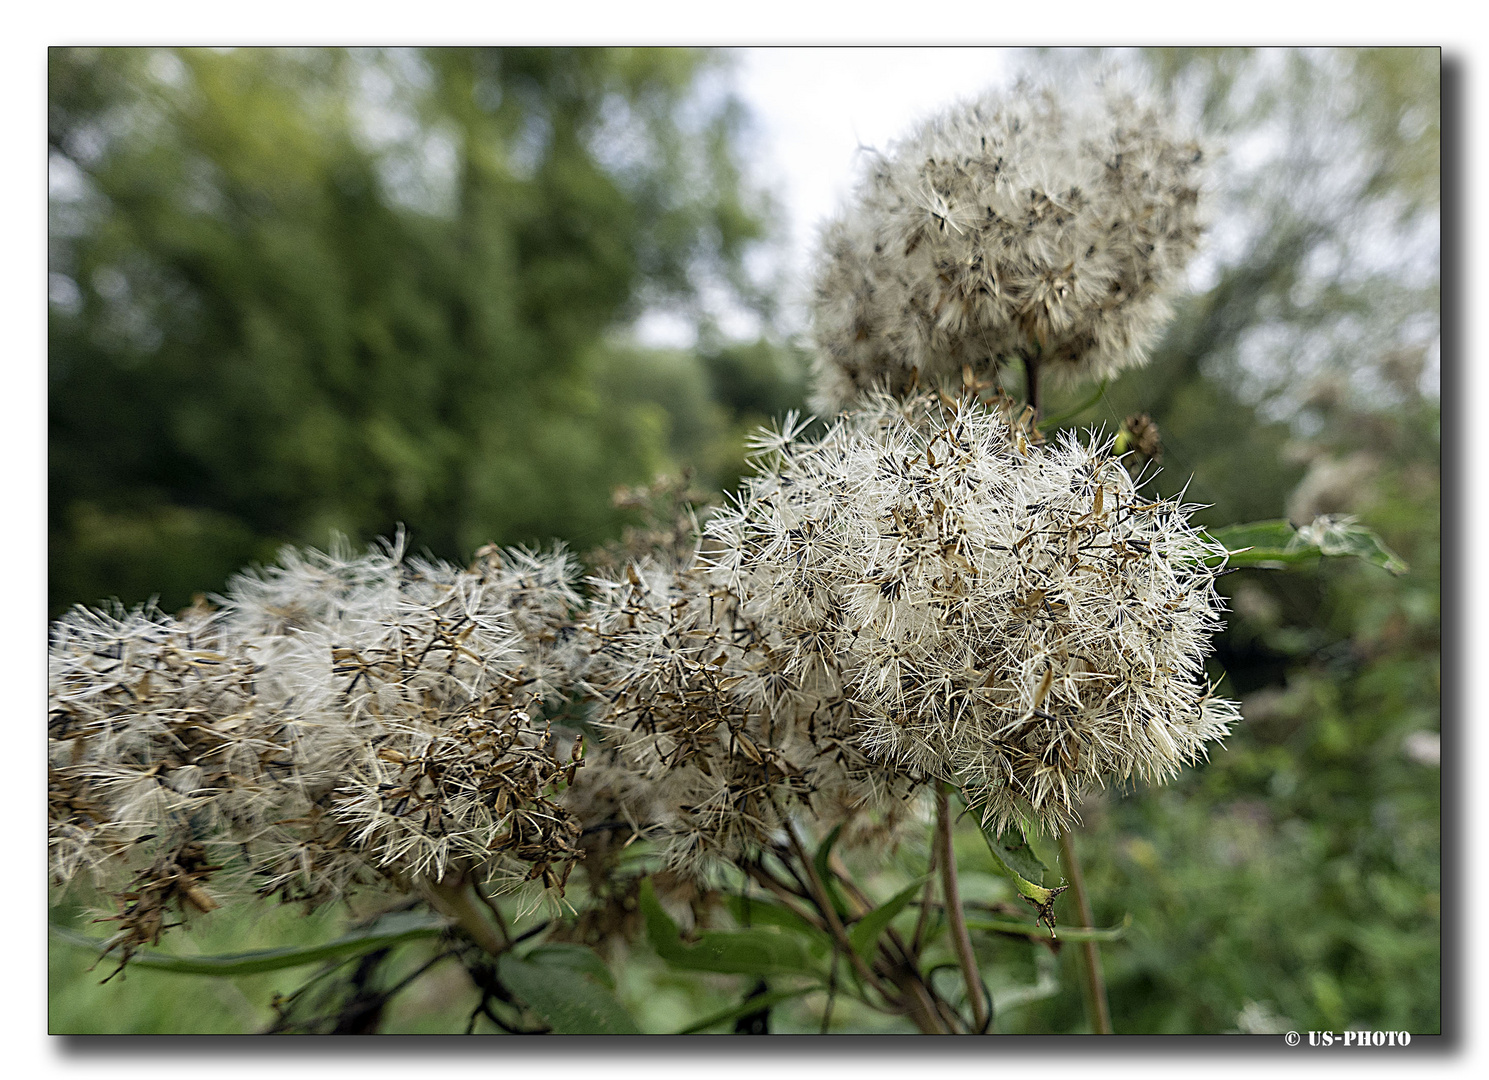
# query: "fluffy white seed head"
[[1038, 224], [1014, 618], [732, 738], [341, 717]]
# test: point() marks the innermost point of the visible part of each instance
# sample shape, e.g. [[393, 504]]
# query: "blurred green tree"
[[298, 292]]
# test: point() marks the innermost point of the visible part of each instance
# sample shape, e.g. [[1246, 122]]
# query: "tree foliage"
[[304, 292]]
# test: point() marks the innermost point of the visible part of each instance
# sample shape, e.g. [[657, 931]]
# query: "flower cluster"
[[929, 591], [1030, 225], [1010, 617], [339, 718], [701, 700]]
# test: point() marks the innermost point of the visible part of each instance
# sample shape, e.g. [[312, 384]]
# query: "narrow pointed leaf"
[[865, 933], [750, 911], [1333, 536], [573, 957], [1276, 545], [1255, 534], [1010, 926], [390, 930], [826, 876], [760, 950]]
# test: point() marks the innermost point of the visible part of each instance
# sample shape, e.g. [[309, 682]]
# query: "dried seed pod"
[[338, 719], [1011, 617], [1031, 226], [728, 738]]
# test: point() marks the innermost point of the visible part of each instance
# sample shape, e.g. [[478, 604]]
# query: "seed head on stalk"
[[700, 698], [340, 718], [1037, 225], [1009, 616]]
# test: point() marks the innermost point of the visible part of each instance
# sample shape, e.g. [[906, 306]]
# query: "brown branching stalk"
[[960, 939], [899, 963], [1094, 984], [919, 1003], [835, 925]]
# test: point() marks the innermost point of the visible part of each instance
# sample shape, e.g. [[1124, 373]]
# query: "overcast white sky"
[[813, 107]]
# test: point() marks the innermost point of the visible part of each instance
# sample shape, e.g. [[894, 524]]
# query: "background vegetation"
[[294, 293]]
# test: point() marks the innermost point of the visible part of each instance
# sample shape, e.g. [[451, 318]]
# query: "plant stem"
[[1097, 1010], [924, 1011], [823, 900], [918, 1004], [1031, 383], [900, 969], [501, 923], [764, 877], [452, 897], [960, 939], [865, 905], [925, 905]]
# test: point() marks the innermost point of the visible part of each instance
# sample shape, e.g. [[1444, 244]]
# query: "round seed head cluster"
[[1032, 224], [1011, 617], [733, 731], [340, 718]]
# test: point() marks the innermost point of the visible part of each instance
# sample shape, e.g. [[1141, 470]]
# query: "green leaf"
[[1013, 852], [1276, 545], [1264, 544], [744, 1008], [572, 1000], [660, 929], [1009, 926], [826, 876], [1338, 535], [760, 950], [574, 957], [389, 930], [1275, 533], [751, 911], [865, 933], [1014, 856]]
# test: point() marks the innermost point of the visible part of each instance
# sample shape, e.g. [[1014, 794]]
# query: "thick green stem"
[[1097, 1010], [960, 939], [454, 898]]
